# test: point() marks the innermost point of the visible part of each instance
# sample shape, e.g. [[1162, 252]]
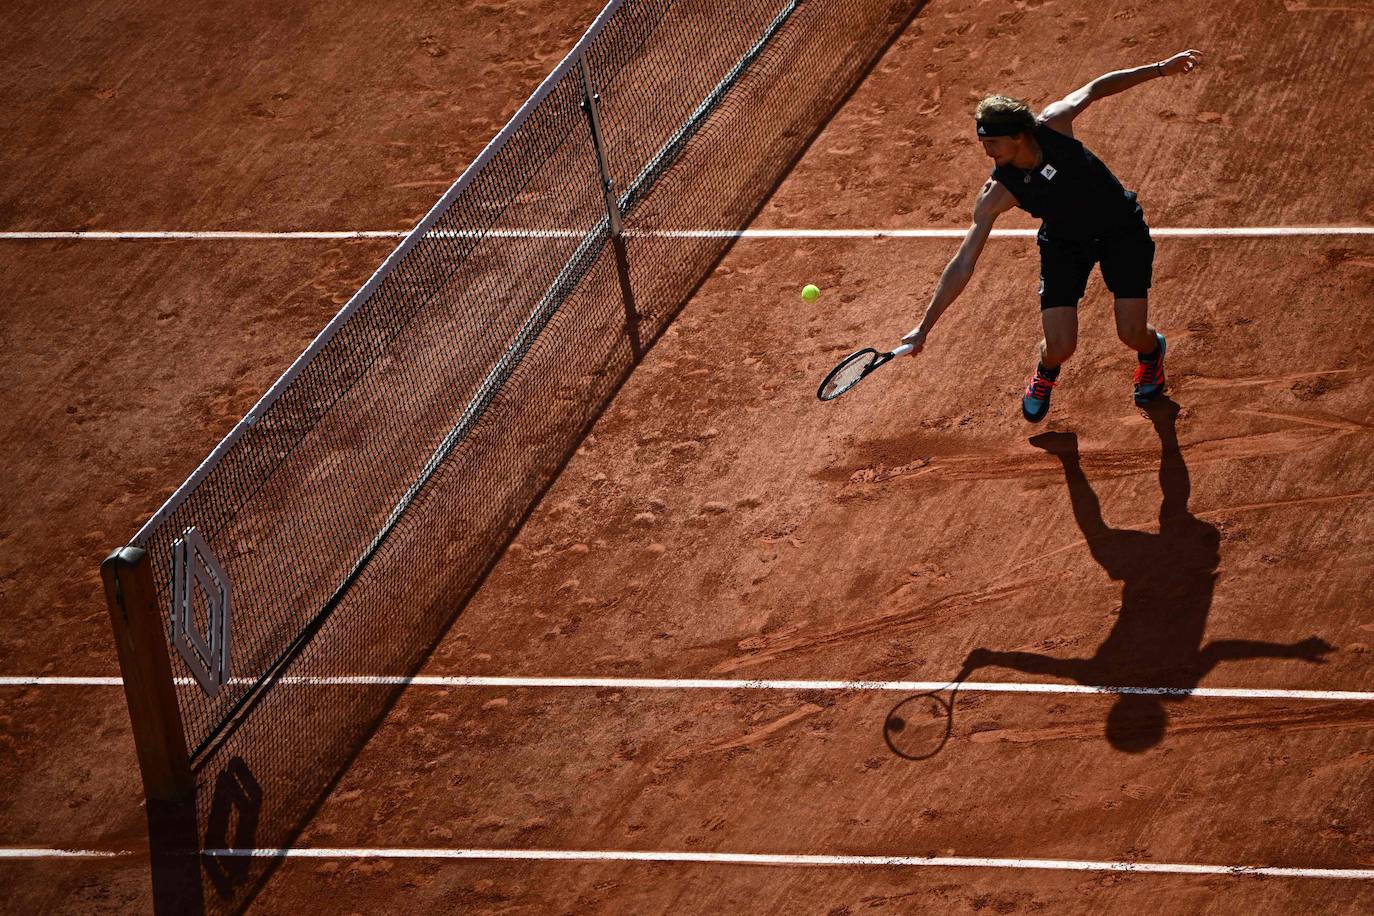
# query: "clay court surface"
[[719, 522]]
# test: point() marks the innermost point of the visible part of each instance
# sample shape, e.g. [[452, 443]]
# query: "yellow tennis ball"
[[811, 292]]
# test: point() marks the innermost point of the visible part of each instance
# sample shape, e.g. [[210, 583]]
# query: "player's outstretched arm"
[[1313, 649], [1059, 115], [993, 201]]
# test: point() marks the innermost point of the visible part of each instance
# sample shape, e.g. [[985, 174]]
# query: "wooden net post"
[[147, 670]]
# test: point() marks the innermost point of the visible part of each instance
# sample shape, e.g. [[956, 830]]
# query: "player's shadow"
[[1167, 581]]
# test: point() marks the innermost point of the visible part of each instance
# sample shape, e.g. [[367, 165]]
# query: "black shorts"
[[1127, 258]]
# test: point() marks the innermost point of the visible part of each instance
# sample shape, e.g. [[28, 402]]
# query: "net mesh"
[[359, 509]]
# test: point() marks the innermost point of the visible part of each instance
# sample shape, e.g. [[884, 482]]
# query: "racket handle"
[[903, 350]]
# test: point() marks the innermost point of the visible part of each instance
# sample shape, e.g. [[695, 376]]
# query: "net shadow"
[[368, 503]]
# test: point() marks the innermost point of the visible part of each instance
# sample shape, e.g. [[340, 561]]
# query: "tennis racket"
[[854, 368]]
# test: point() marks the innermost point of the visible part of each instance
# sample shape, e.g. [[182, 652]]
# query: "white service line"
[[235, 234], [1164, 232], [103, 235], [727, 858], [649, 683], [951, 233]]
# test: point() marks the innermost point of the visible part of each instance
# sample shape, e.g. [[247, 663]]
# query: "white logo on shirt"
[[1049, 171]]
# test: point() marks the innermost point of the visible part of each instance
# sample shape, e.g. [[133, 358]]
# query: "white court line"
[[33, 852], [727, 858], [23, 681], [134, 234], [1163, 232], [234, 234], [649, 683], [953, 233]]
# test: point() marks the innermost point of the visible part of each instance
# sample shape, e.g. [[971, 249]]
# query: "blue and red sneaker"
[[1035, 403], [1149, 375]]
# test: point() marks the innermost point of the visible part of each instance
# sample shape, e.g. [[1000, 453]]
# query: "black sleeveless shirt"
[[1076, 196]]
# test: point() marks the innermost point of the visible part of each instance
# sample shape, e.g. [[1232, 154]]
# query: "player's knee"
[[1133, 335], [1057, 351]]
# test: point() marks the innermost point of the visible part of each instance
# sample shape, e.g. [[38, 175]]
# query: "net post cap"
[[126, 557]]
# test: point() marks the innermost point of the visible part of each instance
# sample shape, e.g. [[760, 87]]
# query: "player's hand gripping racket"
[[854, 368]]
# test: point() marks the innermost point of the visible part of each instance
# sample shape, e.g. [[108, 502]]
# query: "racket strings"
[[847, 374]]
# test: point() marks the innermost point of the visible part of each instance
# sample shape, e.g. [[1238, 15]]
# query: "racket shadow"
[[920, 726]]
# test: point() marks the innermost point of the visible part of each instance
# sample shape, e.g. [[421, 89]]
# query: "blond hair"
[[1005, 110]]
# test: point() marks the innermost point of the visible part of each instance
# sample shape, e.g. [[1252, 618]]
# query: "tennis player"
[[1087, 217]]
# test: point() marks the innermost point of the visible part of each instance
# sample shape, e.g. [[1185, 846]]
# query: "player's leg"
[[1127, 268], [1064, 270], [1133, 325], [1060, 324]]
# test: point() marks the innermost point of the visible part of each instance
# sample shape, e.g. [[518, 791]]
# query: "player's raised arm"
[[1059, 115], [993, 201]]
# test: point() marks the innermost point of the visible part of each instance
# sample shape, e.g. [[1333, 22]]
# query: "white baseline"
[[731, 858], [727, 858], [651, 683]]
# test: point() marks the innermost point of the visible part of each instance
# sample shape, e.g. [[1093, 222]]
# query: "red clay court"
[[576, 614]]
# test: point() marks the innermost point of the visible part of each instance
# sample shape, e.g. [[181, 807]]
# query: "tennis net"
[[360, 501]]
